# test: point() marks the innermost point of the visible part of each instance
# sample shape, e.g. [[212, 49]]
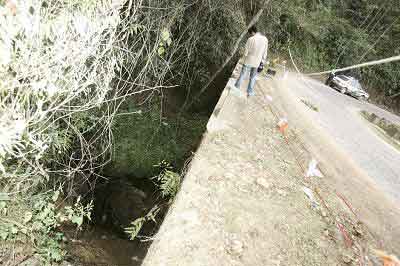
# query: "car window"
[[355, 83], [343, 77]]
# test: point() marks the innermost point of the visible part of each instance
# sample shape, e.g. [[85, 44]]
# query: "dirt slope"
[[243, 201]]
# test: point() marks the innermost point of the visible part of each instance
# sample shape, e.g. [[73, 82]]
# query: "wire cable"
[[371, 63]]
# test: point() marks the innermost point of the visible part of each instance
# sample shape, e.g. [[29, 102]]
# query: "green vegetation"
[[39, 221], [330, 34], [145, 139], [74, 75], [169, 184]]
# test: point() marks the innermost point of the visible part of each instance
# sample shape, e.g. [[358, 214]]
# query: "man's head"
[[253, 30]]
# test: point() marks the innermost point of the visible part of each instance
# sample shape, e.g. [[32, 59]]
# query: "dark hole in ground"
[[117, 203]]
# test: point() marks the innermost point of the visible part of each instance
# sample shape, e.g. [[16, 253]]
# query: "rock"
[[392, 130], [358, 231], [263, 183], [372, 117], [347, 258], [281, 192], [234, 246], [120, 203]]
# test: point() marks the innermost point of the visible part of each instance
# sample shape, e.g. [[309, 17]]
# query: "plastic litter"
[[313, 169], [269, 98], [388, 260], [310, 196], [283, 125]]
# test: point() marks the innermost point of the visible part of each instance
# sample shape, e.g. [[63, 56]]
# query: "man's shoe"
[[235, 91], [250, 93]]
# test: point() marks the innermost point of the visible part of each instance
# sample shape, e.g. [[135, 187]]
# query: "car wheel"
[[343, 90]]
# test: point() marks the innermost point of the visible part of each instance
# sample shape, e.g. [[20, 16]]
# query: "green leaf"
[[56, 254], [135, 228], [78, 220], [165, 35], [14, 230], [55, 196], [161, 51], [4, 197], [27, 217], [3, 234]]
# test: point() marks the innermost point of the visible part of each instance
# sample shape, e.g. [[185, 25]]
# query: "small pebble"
[[234, 246], [262, 182], [347, 259], [281, 192]]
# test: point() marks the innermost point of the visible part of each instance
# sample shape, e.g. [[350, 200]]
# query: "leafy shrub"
[[39, 222]]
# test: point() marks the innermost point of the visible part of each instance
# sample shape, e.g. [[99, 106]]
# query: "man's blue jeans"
[[252, 82]]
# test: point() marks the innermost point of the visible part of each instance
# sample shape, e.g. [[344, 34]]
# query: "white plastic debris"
[[313, 169], [269, 98], [282, 122], [310, 196]]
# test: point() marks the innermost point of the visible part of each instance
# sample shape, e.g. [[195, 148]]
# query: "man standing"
[[255, 54]]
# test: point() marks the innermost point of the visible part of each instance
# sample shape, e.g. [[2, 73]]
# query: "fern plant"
[[169, 181]]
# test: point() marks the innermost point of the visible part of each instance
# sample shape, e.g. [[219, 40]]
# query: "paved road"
[[339, 116]]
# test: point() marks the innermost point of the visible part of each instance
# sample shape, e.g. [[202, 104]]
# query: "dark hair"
[[253, 29]]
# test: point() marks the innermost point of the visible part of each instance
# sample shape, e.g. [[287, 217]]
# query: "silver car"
[[349, 85]]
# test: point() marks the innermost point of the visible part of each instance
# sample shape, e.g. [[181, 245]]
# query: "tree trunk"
[[227, 60]]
